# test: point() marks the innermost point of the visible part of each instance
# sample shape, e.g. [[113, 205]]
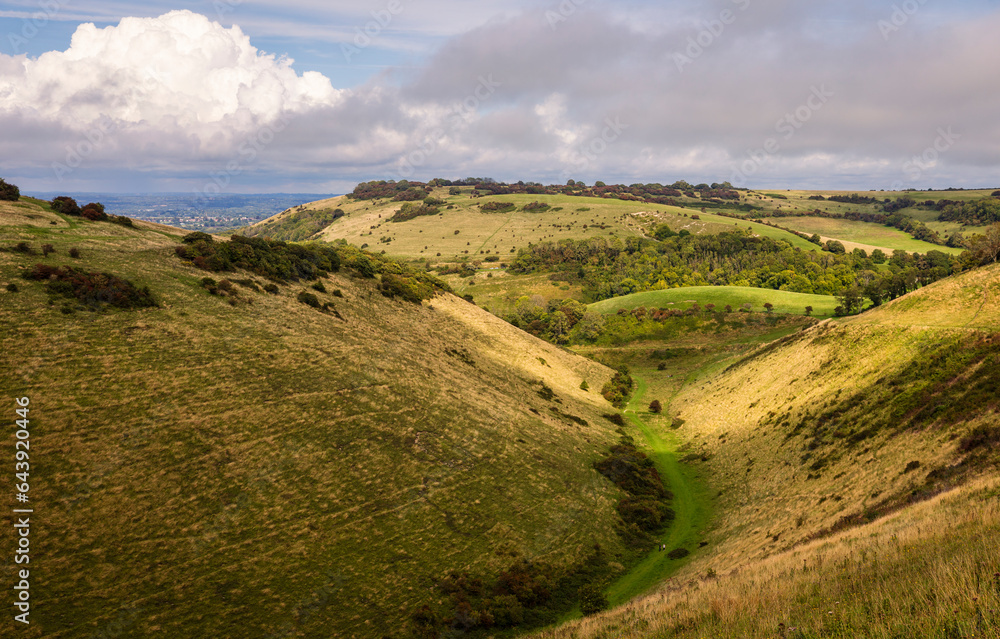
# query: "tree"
[[9, 192], [851, 300], [655, 406], [986, 247], [879, 257], [768, 306], [835, 247], [809, 311]]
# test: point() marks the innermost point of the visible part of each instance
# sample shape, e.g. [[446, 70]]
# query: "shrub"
[[592, 600], [983, 435], [197, 236], [338, 293], [23, 247], [271, 288], [94, 215], [65, 205], [615, 418], [318, 286], [678, 553], [535, 207], [74, 253], [92, 289], [497, 207], [584, 386], [405, 287], [12, 287], [47, 248], [9, 192], [309, 299], [662, 366], [655, 407], [410, 211], [618, 388]]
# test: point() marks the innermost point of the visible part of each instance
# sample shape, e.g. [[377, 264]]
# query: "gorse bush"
[[646, 507], [618, 388], [92, 289], [267, 258], [9, 192]]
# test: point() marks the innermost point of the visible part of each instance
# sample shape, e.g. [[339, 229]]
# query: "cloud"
[[695, 92]]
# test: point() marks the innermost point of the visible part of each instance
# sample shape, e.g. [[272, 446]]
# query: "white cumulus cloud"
[[180, 73]]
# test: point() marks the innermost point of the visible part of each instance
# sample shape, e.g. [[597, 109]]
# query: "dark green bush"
[[309, 299], [678, 553], [592, 600], [92, 289], [65, 205], [9, 192]]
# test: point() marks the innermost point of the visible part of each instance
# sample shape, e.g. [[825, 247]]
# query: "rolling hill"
[[244, 464]]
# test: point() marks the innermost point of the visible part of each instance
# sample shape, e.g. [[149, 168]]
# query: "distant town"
[[216, 214]]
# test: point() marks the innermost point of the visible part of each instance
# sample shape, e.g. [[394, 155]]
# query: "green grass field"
[[862, 233], [734, 296]]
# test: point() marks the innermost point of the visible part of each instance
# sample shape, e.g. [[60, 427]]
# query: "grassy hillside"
[[250, 466], [721, 296], [855, 464], [481, 234], [573, 217], [864, 235]]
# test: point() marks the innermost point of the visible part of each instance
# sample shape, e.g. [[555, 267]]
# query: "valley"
[[323, 435]]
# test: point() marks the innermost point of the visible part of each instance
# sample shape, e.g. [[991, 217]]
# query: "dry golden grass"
[[214, 470], [775, 511], [931, 571]]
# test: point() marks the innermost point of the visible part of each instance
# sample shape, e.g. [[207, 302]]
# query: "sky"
[[244, 96]]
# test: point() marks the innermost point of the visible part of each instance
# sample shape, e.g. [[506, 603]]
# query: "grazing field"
[[862, 233], [721, 296]]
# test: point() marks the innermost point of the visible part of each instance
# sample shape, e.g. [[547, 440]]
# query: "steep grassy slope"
[[849, 422], [265, 469]]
